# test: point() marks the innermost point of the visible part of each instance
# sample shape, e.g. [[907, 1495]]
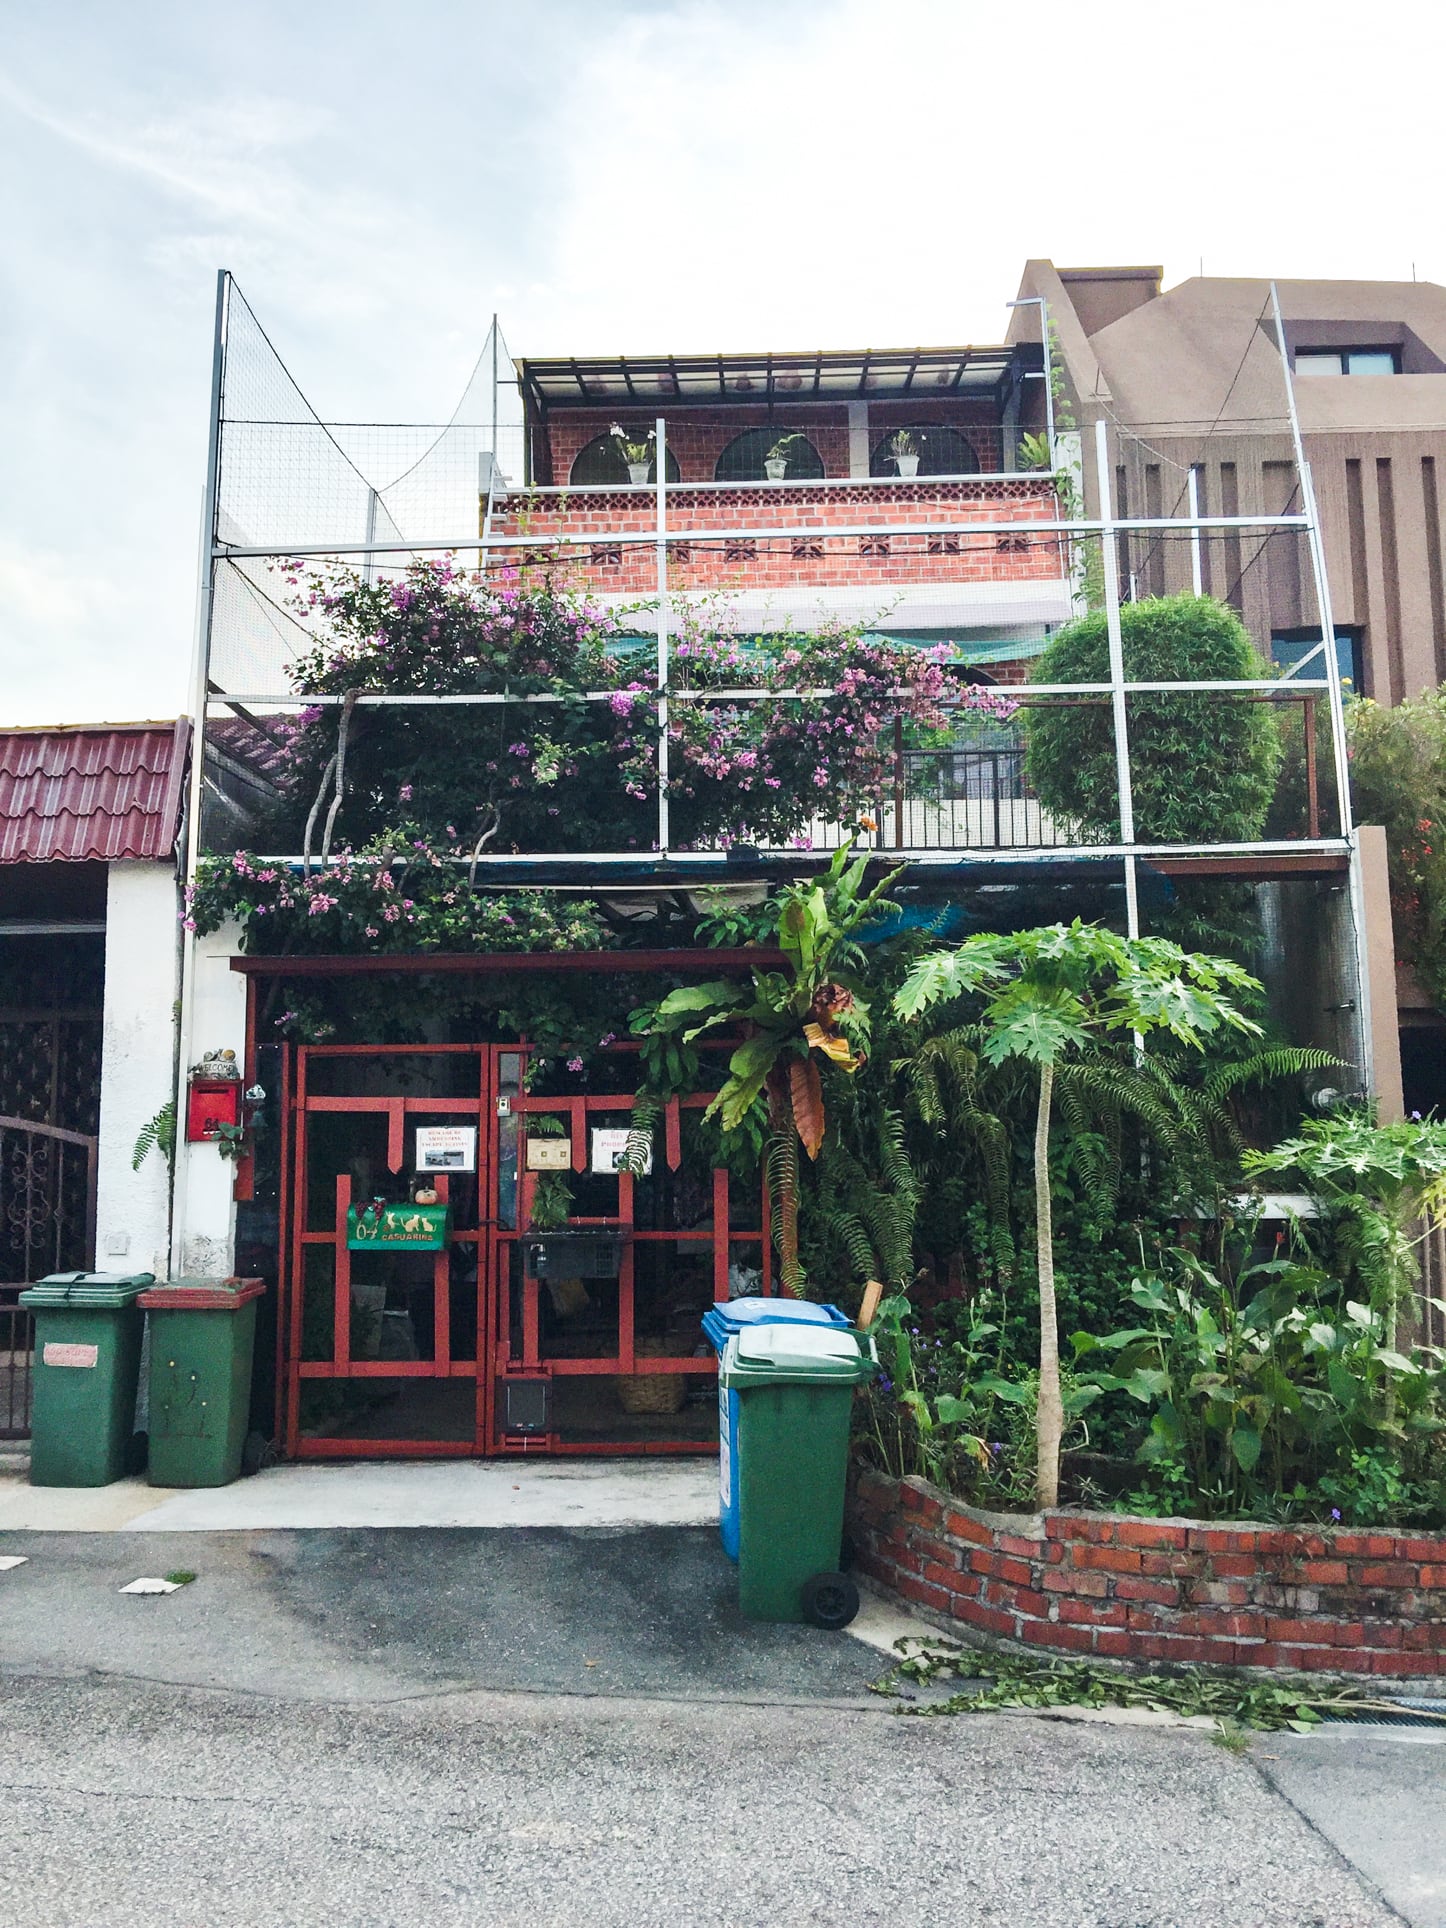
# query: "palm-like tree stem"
[[1049, 1417]]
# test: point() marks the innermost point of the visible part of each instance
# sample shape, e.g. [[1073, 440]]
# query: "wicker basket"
[[652, 1392]]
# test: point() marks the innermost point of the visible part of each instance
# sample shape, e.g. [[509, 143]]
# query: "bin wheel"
[[830, 1600]]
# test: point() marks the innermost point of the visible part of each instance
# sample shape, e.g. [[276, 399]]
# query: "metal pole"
[[369, 570], [494, 391], [1111, 561], [200, 683], [1197, 574], [1316, 547], [660, 446]]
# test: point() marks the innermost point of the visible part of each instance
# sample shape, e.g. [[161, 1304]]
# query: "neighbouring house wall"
[[203, 1241], [137, 1065]]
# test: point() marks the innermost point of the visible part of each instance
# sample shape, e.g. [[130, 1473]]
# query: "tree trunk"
[[1049, 1411]]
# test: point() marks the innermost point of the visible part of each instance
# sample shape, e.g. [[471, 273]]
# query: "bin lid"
[[101, 1290], [774, 1354], [735, 1313], [728, 1316], [202, 1295]]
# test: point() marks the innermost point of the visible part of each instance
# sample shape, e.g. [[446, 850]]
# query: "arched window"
[[599, 463], [745, 455], [941, 451]]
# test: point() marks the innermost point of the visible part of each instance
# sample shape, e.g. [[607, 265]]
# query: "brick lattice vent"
[[1125, 1588]]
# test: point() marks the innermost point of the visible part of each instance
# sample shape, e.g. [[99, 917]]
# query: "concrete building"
[[1189, 379], [1188, 382], [89, 818]]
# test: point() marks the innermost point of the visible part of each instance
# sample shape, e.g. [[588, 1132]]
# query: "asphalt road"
[[563, 1728]]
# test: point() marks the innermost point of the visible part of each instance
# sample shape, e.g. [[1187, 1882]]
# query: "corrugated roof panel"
[[68, 796]]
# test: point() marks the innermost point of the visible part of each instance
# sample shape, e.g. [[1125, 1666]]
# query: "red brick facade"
[[1159, 1590], [707, 552], [698, 436]]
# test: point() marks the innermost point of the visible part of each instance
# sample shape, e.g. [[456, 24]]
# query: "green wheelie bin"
[[88, 1328], [795, 1387], [203, 1333]]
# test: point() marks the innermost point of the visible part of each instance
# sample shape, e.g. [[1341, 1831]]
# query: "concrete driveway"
[[554, 1725]]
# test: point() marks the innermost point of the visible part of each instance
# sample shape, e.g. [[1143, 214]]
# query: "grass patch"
[[182, 1577]]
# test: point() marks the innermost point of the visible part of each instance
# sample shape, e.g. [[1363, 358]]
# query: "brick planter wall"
[[1158, 1590]]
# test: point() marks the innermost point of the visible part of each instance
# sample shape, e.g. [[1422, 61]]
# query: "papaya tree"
[[1054, 993]]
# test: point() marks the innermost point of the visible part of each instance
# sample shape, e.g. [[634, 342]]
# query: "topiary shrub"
[[1204, 767]]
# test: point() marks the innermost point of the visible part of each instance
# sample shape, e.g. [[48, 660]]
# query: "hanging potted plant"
[[904, 447], [636, 452], [775, 462]]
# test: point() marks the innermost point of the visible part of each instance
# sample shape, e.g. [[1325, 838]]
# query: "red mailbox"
[[211, 1103]]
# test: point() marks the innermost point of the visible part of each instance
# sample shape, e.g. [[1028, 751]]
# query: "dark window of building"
[[1347, 361], [1289, 646], [941, 451], [599, 463], [745, 455]]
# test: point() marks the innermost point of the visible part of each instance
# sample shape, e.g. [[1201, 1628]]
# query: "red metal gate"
[[580, 1337]]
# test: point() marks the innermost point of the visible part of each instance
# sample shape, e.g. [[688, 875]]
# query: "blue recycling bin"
[[720, 1324]]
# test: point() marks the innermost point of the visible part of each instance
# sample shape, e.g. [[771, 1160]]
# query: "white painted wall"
[[132, 1231], [203, 1235]]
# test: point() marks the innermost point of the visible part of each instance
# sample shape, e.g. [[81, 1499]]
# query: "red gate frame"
[[493, 1360]]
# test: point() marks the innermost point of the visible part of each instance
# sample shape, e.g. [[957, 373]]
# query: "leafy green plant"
[[632, 446], [1266, 1391], [1375, 1181], [813, 1010], [551, 1191], [1052, 992], [943, 1409], [1398, 780], [1203, 767], [780, 450], [157, 1134]]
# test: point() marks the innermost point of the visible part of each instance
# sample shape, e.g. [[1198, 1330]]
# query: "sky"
[[607, 175]]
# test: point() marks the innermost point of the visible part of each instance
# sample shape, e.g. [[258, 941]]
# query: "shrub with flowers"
[[571, 773], [398, 894]]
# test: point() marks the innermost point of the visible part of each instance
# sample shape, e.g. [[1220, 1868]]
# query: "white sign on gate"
[[446, 1148]]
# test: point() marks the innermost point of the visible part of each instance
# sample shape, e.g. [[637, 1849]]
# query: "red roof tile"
[[103, 792]]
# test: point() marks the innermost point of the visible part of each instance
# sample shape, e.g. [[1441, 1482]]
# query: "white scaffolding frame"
[[1105, 526]]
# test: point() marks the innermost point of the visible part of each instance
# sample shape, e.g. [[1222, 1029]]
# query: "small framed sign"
[[609, 1146], [446, 1148], [549, 1154]]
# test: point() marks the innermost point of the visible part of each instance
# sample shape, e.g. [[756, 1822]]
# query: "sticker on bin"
[[55, 1353], [789, 1345]]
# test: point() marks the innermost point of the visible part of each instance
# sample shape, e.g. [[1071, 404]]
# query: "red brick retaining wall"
[[1159, 1590]]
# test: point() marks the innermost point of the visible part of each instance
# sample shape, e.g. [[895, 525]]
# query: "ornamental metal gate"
[[47, 1224], [545, 1301]]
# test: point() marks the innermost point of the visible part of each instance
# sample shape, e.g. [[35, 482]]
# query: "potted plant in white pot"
[[775, 463], [636, 451], [904, 447]]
